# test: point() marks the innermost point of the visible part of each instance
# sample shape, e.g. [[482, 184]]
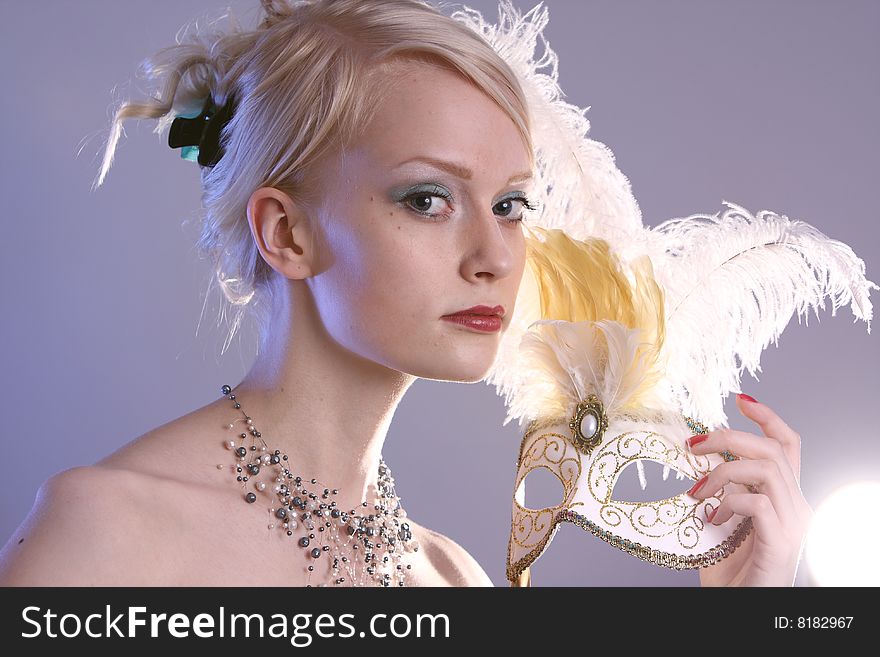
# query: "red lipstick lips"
[[484, 319]]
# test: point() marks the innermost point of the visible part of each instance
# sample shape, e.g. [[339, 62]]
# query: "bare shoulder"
[[451, 560], [118, 521], [78, 532]]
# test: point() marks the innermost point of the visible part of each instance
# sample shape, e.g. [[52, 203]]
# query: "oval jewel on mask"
[[589, 425]]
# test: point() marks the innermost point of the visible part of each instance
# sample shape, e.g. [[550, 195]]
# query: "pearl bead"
[[229, 426], [589, 425], [230, 444], [267, 459], [261, 485], [219, 466]]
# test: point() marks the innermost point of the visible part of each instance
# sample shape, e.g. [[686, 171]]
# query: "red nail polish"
[[743, 395], [697, 439], [698, 485], [711, 514]]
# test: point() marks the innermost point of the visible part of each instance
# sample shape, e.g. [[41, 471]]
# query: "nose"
[[490, 249]]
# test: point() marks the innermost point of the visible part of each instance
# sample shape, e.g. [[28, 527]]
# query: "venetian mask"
[[587, 450]]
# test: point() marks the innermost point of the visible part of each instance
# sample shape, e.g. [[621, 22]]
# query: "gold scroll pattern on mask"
[[533, 529], [657, 518]]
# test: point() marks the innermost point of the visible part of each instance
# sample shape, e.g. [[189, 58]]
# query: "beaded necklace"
[[363, 549]]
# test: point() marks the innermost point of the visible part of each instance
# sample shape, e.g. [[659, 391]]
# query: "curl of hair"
[[306, 80]]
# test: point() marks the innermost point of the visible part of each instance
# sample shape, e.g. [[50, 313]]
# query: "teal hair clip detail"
[[190, 153], [198, 134]]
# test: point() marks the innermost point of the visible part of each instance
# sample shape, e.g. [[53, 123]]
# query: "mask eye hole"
[[543, 489], [659, 482]]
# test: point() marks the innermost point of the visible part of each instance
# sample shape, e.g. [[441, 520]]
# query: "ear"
[[280, 228]]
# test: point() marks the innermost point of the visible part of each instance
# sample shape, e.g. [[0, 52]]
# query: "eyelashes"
[[435, 191]]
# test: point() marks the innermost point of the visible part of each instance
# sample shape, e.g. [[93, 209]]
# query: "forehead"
[[432, 112]]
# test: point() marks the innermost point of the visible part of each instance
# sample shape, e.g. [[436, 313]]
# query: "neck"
[[324, 406]]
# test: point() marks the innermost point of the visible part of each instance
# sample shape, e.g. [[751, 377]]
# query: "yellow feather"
[[582, 280]]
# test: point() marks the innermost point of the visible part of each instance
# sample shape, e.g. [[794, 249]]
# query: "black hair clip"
[[199, 136]]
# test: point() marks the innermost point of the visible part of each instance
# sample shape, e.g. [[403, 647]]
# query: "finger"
[[764, 475], [773, 427], [755, 505], [748, 446]]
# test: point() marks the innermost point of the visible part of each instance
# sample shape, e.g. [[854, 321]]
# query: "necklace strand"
[[363, 548]]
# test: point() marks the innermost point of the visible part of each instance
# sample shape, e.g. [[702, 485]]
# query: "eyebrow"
[[462, 171]]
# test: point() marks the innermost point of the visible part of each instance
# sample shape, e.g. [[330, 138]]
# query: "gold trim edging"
[[651, 555]]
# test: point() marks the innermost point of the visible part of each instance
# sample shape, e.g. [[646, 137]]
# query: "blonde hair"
[[306, 81]]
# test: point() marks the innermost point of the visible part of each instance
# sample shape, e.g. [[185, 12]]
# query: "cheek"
[[381, 289]]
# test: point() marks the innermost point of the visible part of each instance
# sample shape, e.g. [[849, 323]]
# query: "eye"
[[421, 201], [507, 207], [424, 201]]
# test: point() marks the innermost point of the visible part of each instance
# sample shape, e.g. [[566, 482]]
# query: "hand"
[[780, 515]]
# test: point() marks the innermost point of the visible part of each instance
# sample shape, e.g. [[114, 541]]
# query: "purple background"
[[769, 105]]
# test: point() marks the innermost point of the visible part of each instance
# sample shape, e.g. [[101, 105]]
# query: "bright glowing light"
[[841, 542]]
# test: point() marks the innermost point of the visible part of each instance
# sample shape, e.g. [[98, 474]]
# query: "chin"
[[460, 369]]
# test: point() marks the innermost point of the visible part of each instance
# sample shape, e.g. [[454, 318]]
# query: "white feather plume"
[[732, 282], [563, 362]]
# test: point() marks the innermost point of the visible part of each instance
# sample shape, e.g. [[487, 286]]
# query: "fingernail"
[[711, 514], [743, 395], [698, 485], [697, 439]]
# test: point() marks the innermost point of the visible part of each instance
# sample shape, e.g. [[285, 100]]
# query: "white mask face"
[[595, 373], [672, 532]]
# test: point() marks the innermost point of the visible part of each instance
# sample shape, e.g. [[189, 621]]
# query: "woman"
[[391, 200]]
